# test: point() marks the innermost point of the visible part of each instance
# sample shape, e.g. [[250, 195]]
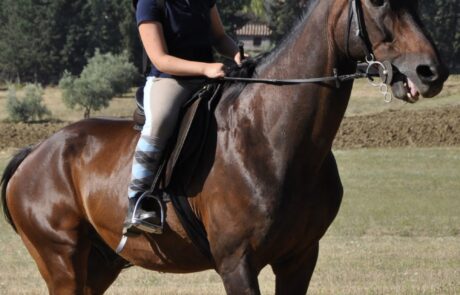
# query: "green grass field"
[[366, 99], [398, 232]]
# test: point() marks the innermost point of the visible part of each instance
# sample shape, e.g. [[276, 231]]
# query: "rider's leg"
[[163, 98]]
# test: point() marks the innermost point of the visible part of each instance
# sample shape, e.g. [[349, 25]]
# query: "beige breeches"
[[163, 98]]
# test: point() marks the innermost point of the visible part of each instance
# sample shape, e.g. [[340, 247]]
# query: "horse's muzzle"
[[418, 75]]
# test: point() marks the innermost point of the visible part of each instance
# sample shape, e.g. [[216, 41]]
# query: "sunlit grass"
[[398, 232], [119, 106], [366, 99], [404, 192]]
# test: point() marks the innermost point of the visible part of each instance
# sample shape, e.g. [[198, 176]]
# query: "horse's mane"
[[250, 66], [297, 27]]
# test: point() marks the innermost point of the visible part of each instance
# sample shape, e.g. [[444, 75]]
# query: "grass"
[[365, 100], [119, 106], [398, 232]]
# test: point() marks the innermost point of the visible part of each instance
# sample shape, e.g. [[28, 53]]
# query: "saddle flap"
[[184, 129], [192, 134], [194, 122]]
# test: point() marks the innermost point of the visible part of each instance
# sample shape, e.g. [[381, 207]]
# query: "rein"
[[336, 78]]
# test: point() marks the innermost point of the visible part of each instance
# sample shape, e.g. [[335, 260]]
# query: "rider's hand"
[[214, 70], [238, 58]]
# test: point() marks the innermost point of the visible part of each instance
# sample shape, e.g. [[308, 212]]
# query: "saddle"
[[182, 157], [185, 152], [194, 123]]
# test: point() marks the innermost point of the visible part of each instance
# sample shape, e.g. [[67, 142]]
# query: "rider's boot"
[[145, 166]]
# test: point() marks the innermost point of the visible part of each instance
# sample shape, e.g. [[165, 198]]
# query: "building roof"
[[254, 29]]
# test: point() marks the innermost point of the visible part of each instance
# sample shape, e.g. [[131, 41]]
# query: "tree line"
[[41, 39]]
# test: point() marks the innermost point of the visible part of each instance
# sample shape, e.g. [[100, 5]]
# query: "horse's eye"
[[378, 3]]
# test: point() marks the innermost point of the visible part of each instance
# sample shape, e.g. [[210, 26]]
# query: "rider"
[[178, 37]]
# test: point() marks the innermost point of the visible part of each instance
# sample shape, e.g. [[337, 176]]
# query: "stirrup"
[[138, 224], [141, 221]]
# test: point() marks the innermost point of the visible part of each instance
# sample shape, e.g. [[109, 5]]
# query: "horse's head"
[[394, 33]]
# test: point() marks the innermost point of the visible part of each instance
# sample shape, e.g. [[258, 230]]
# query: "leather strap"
[[355, 13], [281, 82]]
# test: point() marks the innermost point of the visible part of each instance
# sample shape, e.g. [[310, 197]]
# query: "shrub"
[[104, 77], [28, 108]]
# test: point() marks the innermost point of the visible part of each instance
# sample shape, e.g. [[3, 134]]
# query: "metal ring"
[[383, 88], [371, 64], [388, 97], [372, 58]]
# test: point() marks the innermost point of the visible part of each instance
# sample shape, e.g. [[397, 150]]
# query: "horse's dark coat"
[[267, 189]]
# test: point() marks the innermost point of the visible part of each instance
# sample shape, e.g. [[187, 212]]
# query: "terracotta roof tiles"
[[254, 29]]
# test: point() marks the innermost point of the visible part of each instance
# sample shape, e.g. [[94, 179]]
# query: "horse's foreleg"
[[293, 275], [238, 276]]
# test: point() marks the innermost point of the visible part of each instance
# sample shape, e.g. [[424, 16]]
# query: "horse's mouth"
[[411, 79], [406, 90]]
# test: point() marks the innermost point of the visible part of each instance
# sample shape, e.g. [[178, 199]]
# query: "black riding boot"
[[144, 211], [142, 217]]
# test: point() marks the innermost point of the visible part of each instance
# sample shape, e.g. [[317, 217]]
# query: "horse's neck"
[[306, 52], [296, 123]]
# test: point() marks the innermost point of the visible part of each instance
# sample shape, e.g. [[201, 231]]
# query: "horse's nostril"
[[427, 73]]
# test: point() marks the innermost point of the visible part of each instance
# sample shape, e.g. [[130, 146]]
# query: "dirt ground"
[[426, 128]]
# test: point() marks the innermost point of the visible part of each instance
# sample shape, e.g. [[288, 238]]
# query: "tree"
[[29, 107], [105, 76], [282, 15], [42, 38], [442, 21], [257, 9], [233, 14], [24, 46]]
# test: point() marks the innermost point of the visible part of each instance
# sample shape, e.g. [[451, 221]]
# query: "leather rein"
[[355, 14]]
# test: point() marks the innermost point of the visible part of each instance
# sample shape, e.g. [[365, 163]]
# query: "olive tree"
[[104, 77]]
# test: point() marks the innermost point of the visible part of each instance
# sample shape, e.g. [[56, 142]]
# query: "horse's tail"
[[7, 174]]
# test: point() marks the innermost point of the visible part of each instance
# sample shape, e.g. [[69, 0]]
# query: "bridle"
[[355, 15], [385, 68]]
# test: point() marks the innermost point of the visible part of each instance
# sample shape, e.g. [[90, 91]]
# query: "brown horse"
[[268, 187]]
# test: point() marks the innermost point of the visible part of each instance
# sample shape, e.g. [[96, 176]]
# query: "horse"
[[267, 187]]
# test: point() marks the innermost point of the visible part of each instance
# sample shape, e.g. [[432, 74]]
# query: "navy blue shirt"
[[186, 27]]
